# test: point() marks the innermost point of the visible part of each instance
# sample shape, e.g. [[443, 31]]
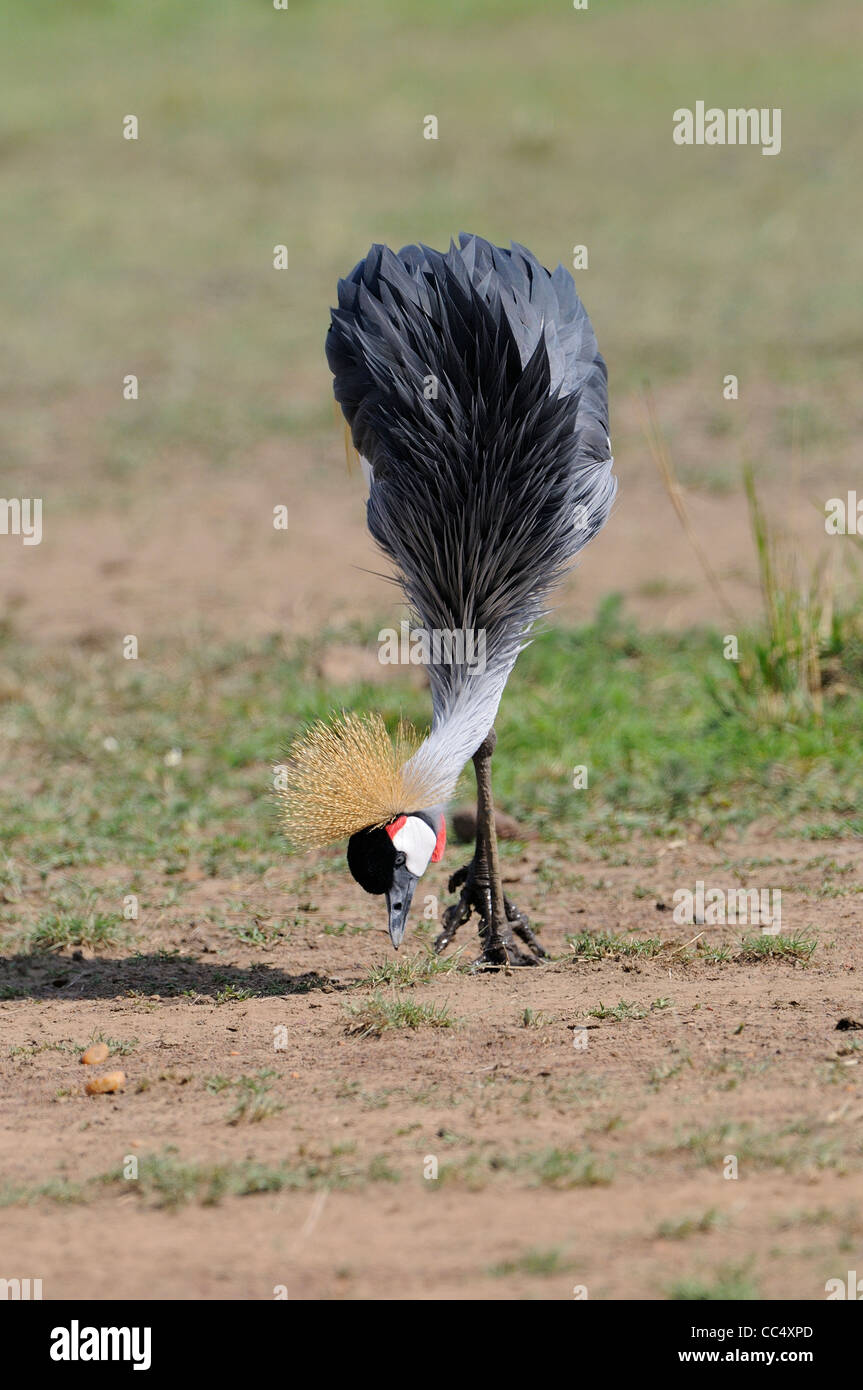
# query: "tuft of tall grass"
[[377, 1015], [804, 645], [782, 672]]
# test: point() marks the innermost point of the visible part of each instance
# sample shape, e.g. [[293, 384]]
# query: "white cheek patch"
[[416, 840]]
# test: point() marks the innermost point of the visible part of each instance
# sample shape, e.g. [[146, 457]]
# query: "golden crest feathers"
[[348, 774]]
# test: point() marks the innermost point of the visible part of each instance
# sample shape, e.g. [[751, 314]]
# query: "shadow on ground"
[[168, 976]]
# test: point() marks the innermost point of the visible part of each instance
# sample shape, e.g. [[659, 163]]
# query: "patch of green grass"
[[377, 1015], [117, 1047], [536, 1263], [781, 672], [622, 1012], [714, 955], [58, 931], [766, 947], [587, 945], [564, 1168], [253, 1101], [61, 1190], [215, 1085], [411, 970], [33, 1049], [681, 1228], [552, 1167], [662, 755], [649, 762], [730, 1284], [848, 1220], [169, 1182], [531, 1018], [234, 994], [258, 933], [11, 882], [659, 1075], [800, 1146], [347, 928]]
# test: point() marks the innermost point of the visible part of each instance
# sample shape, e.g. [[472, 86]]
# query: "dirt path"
[[559, 1164]]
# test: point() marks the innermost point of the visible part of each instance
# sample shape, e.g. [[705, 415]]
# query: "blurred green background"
[[305, 128]]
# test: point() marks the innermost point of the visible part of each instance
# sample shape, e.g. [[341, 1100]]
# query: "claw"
[[458, 878], [521, 927], [500, 951], [442, 941]]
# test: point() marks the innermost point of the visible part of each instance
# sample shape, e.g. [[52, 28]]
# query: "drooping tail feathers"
[[477, 395]]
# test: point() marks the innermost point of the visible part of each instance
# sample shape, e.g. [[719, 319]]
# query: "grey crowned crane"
[[477, 401]]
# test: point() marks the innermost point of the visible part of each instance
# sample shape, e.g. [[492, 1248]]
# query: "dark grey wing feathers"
[[483, 495]]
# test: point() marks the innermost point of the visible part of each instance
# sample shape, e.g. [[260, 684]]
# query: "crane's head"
[[392, 858], [347, 779]]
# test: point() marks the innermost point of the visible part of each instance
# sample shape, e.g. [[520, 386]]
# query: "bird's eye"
[[401, 859]]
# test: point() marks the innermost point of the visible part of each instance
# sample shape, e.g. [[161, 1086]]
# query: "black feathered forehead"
[[372, 858]]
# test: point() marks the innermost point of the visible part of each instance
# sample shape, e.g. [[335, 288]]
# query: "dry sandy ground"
[[729, 1059], [192, 546]]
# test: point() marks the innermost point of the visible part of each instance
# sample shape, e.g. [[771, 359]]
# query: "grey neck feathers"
[[464, 712]]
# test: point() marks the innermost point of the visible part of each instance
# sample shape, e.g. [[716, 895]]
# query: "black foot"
[[499, 946]]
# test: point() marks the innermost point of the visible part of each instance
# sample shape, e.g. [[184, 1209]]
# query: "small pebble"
[[107, 1084]]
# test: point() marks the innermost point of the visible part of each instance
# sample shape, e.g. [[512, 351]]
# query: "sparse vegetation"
[[411, 970], [730, 1284], [252, 1099], [795, 1147], [681, 1228], [531, 1018], [377, 1015], [58, 931], [167, 1181], [539, 1264], [766, 947], [623, 1012], [587, 945], [552, 1167]]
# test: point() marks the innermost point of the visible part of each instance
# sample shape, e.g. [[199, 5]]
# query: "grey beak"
[[399, 899]]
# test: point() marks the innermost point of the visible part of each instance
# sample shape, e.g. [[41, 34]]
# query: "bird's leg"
[[482, 887], [496, 931]]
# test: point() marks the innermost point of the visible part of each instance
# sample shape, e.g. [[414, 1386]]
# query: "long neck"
[[463, 716]]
